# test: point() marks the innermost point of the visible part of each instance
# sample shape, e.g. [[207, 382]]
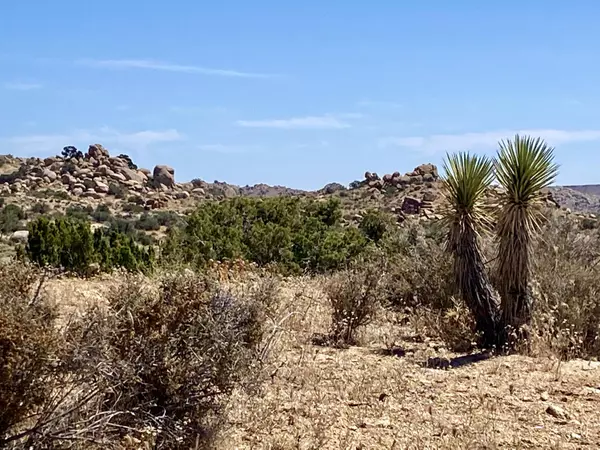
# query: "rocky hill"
[[577, 200], [97, 178]]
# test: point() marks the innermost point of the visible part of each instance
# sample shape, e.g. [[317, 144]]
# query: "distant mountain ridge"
[[578, 198], [592, 189]]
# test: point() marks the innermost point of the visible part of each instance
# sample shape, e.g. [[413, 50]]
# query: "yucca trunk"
[[474, 286], [465, 185], [514, 254]]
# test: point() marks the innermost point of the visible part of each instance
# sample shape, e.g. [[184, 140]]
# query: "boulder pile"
[[423, 174], [96, 174]]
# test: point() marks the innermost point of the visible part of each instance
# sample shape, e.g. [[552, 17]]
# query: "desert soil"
[[362, 397]]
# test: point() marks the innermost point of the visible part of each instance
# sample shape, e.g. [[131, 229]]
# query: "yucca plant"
[[524, 167], [465, 184]]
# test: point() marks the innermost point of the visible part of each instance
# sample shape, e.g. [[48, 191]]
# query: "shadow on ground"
[[454, 363]]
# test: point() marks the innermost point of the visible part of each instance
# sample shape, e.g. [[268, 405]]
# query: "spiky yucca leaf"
[[524, 167], [465, 184], [467, 179]]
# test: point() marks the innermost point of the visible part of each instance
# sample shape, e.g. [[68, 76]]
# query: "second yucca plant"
[[524, 167]]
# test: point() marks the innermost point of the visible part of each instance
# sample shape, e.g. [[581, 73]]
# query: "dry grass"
[[381, 394]]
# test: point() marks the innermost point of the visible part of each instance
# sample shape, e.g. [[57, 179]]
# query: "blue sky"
[[300, 93]]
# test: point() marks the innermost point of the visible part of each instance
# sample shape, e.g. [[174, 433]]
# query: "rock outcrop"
[[163, 176]]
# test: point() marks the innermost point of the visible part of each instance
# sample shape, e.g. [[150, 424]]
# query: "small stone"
[[557, 412], [545, 396], [20, 235]]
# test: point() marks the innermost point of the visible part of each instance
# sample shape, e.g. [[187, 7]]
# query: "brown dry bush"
[[29, 353], [164, 362], [419, 272], [354, 295], [454, 326], [152, 368], [567, 290]]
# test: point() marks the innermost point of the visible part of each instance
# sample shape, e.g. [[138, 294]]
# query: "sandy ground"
[[316, 397], [358, 398]]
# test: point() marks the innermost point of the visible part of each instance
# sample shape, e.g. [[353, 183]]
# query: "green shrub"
[[10, 216], [147, 222], [116, 249], [79, 212], [40, 208], [61, 243], [102, 213], [133, 207], [589, 223], [70, 244], [375, 224], [419, 270], [51, 193], [136, 200], [293, 233], [168, 218], [117, 190]]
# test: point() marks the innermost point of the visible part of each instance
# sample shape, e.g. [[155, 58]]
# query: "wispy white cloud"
[[146, 64], [40, 144], [298, 123], [19, 86], [440, 143]]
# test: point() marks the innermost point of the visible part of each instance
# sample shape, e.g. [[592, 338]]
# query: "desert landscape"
[[139, 312]]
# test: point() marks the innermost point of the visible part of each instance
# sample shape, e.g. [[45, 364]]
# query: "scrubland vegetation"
[[269, 323]]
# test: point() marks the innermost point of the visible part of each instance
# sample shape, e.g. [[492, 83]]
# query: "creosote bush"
[[30, 349], [354, 294], [10, 217], [567, 291], [167, 359], [419, 270], [154, 366], [375, 224]]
